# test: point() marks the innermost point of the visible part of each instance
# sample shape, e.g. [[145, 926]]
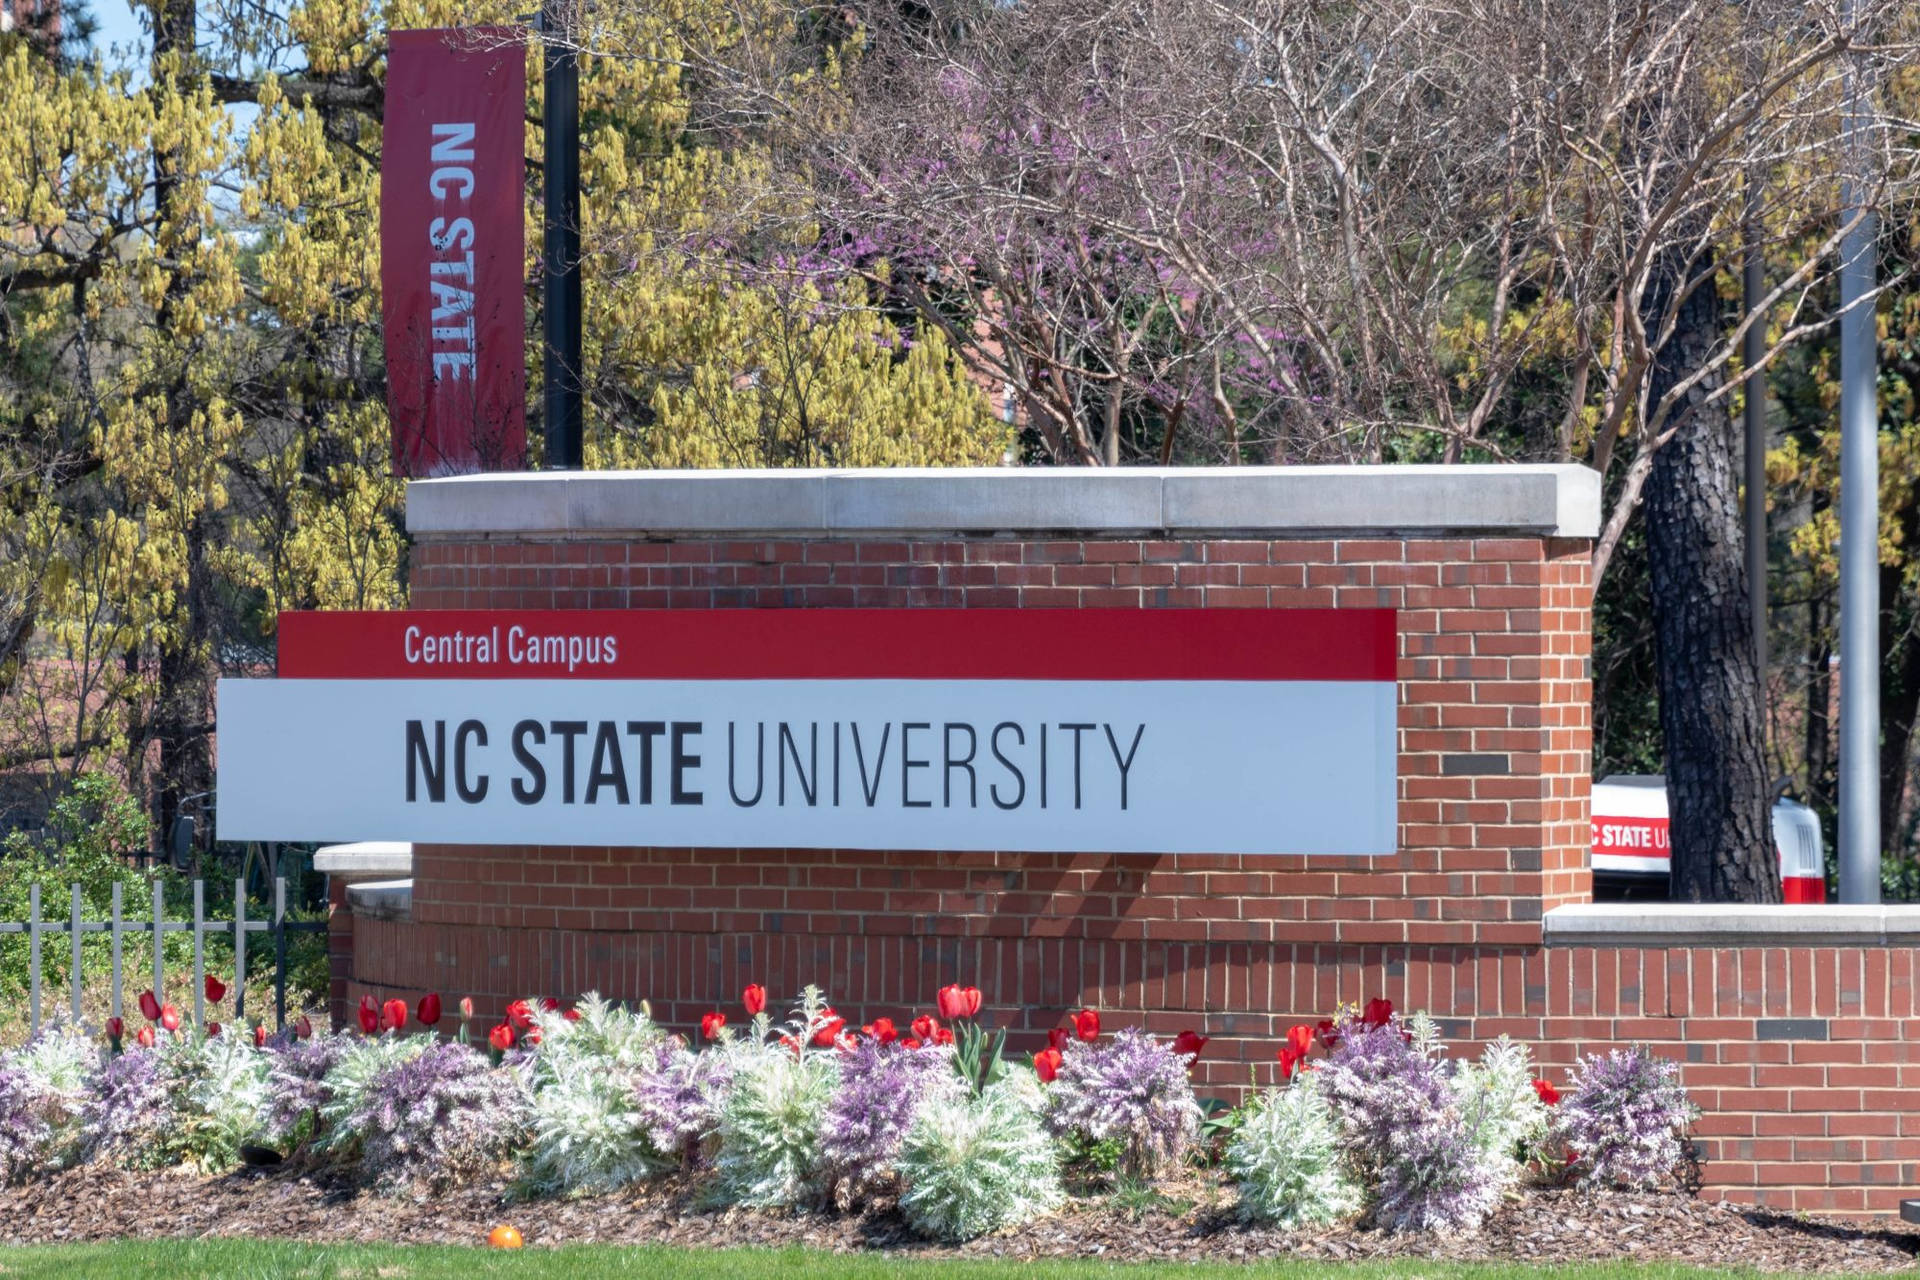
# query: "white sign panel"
[[808, 756]]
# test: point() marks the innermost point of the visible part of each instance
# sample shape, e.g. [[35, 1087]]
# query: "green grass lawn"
[[270, 1260]]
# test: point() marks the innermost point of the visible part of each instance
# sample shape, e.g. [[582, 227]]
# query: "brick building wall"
[[1797, 1053]]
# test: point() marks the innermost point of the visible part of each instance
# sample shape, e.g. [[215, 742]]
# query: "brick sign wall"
[[1798, 1054]]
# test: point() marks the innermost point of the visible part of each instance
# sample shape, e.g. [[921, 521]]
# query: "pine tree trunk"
[[1710, 713]]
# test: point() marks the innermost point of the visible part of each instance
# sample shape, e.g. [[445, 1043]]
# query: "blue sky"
[[118, 27]]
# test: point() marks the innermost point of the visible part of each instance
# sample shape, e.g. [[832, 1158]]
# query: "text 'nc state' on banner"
[[453, 248]]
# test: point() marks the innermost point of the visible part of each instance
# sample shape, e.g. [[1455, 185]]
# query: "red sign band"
[[842, 644]]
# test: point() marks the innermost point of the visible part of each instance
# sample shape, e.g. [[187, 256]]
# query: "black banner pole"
[[564, 413]]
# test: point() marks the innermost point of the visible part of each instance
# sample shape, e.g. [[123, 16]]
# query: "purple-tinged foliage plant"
[[299, 1076], [881, 1089], [1132, 1088], [1624, 1114], [437, 1117], [679, 1097], [24, 1129], [129, 1107], [1403, 1131]]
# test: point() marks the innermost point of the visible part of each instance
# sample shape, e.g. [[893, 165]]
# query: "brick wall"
[[1798, 1055]]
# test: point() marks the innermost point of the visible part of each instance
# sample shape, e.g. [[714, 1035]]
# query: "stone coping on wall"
[[1674, 924], [365, 860], [382, 899], [1559, 501]]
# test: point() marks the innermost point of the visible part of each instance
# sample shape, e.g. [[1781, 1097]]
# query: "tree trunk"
[[1710, 713]]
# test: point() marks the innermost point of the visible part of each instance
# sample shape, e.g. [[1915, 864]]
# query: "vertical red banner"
[[453, 249]]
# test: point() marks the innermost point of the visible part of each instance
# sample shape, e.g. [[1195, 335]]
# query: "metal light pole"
[[1753, 351], [1859, 514], [560, 255]]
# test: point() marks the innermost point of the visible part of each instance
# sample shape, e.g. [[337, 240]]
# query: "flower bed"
[[1368, 1123]]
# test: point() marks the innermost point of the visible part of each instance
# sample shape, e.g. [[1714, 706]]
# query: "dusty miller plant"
[[1131, 1088], [770, 1123], [976, 1163], [347, 1080], [1286, 1162], [299, 1072], [1625, 1113], [44, 1088]]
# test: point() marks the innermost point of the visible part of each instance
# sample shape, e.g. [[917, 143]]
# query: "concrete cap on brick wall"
[[1538, 500], [1675, 924]]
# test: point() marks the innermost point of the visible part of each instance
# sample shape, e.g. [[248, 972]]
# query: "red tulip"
[[1086, 1024], [1300, 1038], [830, 1029], [1046, 1064], [1289, 1061], [259, 1035], [466, 1008], [550, 1005], [1058, 1038], [882, 1029], [303, 1028], [531, 1036], [943, 1036], [1328, 1035], [501, 1038], [755, 998], [1548, 1094], [216, 990], [169, 1017], [213, 1029], [115, 1029], [924, 1028], [369, 1015], [145, 1038], [149, 1007], [949, 1003], [911, 1043], [711, 1023], [571, 1015], [792, 1044], [393, 1015], [429, 1011], [520, 1014], [1189, 1044], [1379, 1012]]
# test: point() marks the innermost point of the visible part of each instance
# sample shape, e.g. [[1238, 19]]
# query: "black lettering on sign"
[[759, 765], [870, 790], [434, 765], [953, 762], [646, 731], [567, 731], [1125, 763], [607, 769], [809, 787], [684, 760], [529, 792], [908, 764], [1019, 796], [1076, 730], [470, 792]]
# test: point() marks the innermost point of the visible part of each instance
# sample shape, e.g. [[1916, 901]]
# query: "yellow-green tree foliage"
[[193, 431]]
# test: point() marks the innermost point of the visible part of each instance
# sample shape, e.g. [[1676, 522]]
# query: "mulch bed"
[[1193, 1223]]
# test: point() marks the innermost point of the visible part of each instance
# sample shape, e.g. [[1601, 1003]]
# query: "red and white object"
[[1177, 731], [1631, 837], [453, 249]]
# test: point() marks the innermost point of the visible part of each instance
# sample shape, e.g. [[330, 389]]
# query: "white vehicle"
[[1631, 841]]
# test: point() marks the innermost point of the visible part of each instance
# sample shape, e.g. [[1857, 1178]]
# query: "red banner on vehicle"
[[453, 249]]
